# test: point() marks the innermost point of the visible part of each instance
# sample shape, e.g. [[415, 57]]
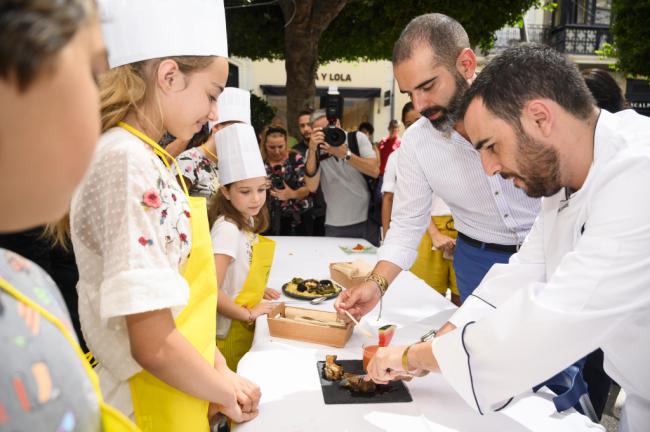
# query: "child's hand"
[[271, 294], [248, 393], [234, 412], [262, 309], [231, 406]]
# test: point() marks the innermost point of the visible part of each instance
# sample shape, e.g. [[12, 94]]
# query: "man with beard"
[[314, 218], [580, 281], [433, 64], [304, 127]]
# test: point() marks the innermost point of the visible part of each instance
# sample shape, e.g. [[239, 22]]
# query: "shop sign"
[[337, 77]]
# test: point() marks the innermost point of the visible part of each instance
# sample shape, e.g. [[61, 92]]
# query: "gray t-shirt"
[[43, 385], [344, 188]]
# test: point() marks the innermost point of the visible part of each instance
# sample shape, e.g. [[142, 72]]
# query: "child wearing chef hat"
[[199, 164], [242, 257], [147, 284]]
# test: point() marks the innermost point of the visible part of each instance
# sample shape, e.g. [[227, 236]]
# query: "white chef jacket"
[[580, 281]]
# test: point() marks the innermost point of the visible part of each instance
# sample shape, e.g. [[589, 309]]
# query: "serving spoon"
[[315, 301]]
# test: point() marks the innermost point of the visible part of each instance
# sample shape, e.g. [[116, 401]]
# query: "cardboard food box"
[[308, 325], [348, 274]]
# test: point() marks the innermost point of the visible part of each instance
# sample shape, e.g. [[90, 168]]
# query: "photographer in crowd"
[[340, 172], [289, 196]]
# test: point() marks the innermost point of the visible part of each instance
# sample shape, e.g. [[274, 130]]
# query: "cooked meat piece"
[[356, 383], [311, 284], [332, 371]]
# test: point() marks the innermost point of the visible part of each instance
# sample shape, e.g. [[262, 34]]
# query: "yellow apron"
[[112, 419], [158, 406], [240, 336], [430, 265]]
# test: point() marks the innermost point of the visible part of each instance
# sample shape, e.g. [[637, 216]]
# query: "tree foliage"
[[308, 32], [261, 113], [365, 29], [631, 30]]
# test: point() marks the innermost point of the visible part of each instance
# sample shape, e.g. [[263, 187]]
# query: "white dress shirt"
[[438, 206], [581, 281], [390, 172], [488, 209]]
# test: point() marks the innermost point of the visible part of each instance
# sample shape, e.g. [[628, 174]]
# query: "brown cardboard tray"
[[344, 279], [293, 323]]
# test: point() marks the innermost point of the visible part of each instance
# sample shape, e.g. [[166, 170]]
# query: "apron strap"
[[6, 286], [161, 152]]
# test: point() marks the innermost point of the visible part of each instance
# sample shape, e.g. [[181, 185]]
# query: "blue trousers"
[[471, 263]]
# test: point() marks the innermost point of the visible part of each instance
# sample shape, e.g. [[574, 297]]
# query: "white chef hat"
[[239, 154], [234, 104], [136, 30]]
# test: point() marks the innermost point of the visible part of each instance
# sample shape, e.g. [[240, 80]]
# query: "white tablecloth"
[[287, 374]]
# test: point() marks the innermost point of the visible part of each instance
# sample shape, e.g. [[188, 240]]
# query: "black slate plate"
[[333, 393]]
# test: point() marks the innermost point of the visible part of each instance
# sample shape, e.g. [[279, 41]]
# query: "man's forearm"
[[312, 176], [420, 356], [301, 193], [388, 270], [312, 182], [367, 166], [310, 165]]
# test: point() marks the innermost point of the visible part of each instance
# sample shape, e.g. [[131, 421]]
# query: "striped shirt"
[[488, 209]]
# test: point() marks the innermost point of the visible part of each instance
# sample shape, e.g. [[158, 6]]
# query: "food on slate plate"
[[311, 288], [356, 383], [332, 370], [358, 247]]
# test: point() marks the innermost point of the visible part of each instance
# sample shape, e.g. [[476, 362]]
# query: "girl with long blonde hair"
[[142, 244]]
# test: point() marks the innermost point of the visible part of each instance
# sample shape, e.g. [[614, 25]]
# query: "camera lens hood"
[[334, 136]]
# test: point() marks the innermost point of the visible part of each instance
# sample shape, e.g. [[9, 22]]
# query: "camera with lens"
[[334, 136], [277, 180]]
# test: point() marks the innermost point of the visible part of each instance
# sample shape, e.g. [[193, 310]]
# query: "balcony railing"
[[510, 36], [579, 38], [569, 38]]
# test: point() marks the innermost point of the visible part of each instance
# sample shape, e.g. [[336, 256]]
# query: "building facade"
[[368, 89]]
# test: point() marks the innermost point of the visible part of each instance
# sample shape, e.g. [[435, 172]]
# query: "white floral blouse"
[[201, 171], [131, 234]]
